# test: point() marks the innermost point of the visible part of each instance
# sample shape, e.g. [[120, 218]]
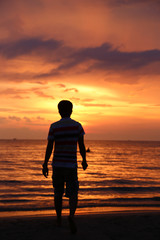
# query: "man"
[[65, 134]]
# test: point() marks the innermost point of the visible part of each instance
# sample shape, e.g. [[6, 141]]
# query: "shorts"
[[65, 175]]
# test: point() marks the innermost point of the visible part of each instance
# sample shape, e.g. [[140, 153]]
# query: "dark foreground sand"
[[137, 225]]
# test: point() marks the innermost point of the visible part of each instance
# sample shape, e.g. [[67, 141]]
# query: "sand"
[[122, 225]]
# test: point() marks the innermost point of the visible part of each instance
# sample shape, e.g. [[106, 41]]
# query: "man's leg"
[[73, 200], [72, 186], [72, 205], [58, 207], [58, 185]]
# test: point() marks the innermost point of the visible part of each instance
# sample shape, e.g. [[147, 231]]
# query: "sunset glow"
[[104, 56]]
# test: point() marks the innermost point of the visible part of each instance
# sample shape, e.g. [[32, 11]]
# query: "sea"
[[119, 174]]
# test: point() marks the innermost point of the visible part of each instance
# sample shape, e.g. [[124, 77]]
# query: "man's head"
[[65, 108]]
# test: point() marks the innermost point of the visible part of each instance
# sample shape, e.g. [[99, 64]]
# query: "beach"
[[111, 225]]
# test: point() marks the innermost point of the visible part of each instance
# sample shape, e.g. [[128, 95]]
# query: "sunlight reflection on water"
[[117, 170]]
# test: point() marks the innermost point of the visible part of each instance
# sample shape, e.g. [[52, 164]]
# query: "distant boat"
[[88, 150]]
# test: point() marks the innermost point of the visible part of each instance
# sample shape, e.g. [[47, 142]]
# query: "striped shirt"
[[65, 133]]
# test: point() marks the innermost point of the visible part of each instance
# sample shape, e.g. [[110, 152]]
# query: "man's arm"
[[47, 157], [82, 152]]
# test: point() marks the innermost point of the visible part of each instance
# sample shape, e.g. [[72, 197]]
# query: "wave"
[[122, 189], [131, 182], [102, 187], [40, 183], [10, 181], [23, 183], [149, 168], [90, 203]]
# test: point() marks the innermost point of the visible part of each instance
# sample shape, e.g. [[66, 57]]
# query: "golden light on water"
[[116, 174]]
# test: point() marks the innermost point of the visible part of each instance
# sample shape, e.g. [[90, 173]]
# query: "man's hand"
[[84, 165], [45, 170]]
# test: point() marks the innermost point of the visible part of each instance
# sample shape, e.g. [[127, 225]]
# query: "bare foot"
[[59, 222], [72, 225]]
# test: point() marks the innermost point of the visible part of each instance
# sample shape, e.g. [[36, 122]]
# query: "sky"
[[103, 55]]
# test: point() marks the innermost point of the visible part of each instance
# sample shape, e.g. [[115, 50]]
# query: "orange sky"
[[102, 55]]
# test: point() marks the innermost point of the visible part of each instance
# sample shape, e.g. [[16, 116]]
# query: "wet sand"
[[121, 225]]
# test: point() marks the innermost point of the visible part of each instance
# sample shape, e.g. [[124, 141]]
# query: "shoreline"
[[82, 211]]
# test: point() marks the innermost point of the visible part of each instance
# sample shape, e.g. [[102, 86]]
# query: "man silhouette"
[[65, 134]]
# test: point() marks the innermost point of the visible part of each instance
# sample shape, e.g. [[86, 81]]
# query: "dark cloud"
[[27, 46], [106, 58], [117, 3], [67, 60]]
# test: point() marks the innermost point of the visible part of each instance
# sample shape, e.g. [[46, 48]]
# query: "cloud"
[[96, 105], [89, 102], [27, 46], [64, 60], [82, 101], [88, 99], [106, 58], [43, 95], [25, 93], [119, 3], [3, 110], [27, 119], [14, 93], [61, 85], [14, 118], [71, 90], [40, 118], [17, 75]]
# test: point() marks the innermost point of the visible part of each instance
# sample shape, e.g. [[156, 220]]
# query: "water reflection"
[[116, 170]]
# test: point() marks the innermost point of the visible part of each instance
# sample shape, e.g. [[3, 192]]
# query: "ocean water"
[[120, 173]]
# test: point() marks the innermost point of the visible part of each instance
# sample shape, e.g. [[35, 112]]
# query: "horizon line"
[[43, 139]]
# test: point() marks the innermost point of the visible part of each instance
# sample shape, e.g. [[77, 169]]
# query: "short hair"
[[65, 108]]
